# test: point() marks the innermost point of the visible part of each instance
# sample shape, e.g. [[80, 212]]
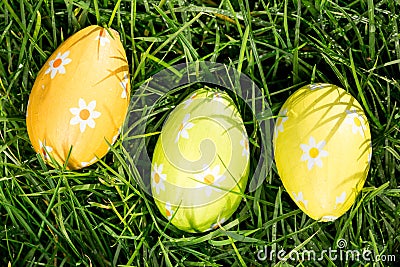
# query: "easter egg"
[[322, 146], [80, 99], [200, 164]]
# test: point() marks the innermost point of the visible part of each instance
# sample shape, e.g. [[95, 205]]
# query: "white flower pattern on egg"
[[217, 96], [341, 199], [124, 85], [57, 65], [212, 178], [300, 199], [45, 149], [87, 163], [168, 211], [282, 118], [370, 153], [84, 164], [217, 224], [356, 121], [158, 178], [328, 218], [102, 37], [27, 109], [84, 115], [188, 101], [244, 142], [313, 152], [184, 126], [316, 86]]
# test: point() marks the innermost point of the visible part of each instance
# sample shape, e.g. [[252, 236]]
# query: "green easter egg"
[[200, 163]]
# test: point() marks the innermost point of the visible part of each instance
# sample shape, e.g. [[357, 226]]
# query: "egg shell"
[[80, 98], [200, 163], [322, 146]]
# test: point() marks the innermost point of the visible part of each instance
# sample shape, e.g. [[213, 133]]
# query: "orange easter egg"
[[80, 99]]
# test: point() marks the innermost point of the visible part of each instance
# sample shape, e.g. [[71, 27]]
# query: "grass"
[[99, 216]]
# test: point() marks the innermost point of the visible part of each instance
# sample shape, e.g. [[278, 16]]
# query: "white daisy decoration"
[[329, 218], [124, 85], [340, 199], [217, 224], [217, 96], [370, 153], [300, 199], [57, 65], [244, 142], [84, 115], [316, 86], [87, 163], [313, 152], [45, 150], [282, 118], [356, 121], [158, 178], [84, 164], [212, 178], [27, 108], [102, 38], [183, 128], [188, 101], [168, 211]]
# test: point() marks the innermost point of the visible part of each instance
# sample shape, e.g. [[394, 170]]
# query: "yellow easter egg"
[[200, 164], [322, 146], [80, 98]]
